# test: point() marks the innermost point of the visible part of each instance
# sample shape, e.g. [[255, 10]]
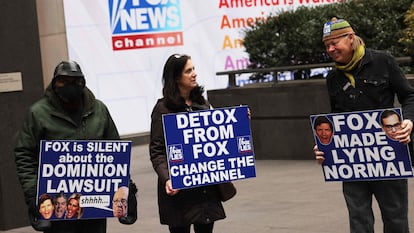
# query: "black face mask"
[[70, 93]]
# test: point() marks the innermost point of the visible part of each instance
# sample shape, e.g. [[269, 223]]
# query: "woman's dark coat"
[[194, 205]]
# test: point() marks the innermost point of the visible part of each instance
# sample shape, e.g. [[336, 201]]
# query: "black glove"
[[35, 218], [132, 214]]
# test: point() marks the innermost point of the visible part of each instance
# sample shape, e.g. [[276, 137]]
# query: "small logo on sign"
[[244, 144], [175, 153]]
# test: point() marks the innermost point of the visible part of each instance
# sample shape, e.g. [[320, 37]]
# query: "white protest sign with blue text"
[[209, 147], [361, 145], [88, 171]]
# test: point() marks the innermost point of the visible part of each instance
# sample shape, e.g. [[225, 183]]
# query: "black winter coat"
[[378, 80], [194, 205]]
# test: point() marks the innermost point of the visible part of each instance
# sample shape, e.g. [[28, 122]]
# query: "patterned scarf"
[[356, 58]]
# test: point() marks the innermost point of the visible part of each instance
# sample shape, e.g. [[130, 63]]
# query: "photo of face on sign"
[[391, 123], [323, 129], [60, 202], [46, 206], [73, 209], [120, 202]]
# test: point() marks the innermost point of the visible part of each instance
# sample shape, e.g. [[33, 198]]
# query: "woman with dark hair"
[[199, 206], [180, 85]]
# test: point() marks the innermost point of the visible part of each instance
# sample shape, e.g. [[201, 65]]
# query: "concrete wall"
[[280, 115], [20, 52], [52, 35], [280, 123], [33, 41]]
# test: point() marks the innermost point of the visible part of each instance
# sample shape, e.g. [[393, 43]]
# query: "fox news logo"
[[244, 144], [139, 24], [175, 153]]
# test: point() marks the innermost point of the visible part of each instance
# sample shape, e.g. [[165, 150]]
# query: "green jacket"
[[47, 120]]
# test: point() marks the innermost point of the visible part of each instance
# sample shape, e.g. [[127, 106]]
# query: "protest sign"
[[209, 147], [85, 175], [362, 145]]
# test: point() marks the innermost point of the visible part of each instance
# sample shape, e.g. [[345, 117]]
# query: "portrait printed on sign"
[[209, 147], [391, 123], [323, 129], [60, 205], [362, 145], [83, 179], [120, 202]]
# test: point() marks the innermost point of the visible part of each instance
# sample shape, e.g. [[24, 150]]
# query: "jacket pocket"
[[374, 90]]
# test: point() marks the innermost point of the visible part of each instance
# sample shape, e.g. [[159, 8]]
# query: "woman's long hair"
[[173, 69]]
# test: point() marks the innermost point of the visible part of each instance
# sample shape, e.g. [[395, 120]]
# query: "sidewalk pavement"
[[287, 196]]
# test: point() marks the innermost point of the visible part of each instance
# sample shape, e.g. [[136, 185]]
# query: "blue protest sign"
[[209, 147], [79, 179], [362, 145]]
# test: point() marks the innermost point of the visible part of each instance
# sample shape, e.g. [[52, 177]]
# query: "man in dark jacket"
[[68, 111], [365, 79]]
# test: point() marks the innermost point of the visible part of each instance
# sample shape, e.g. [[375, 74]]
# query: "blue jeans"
[[392, 198]]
